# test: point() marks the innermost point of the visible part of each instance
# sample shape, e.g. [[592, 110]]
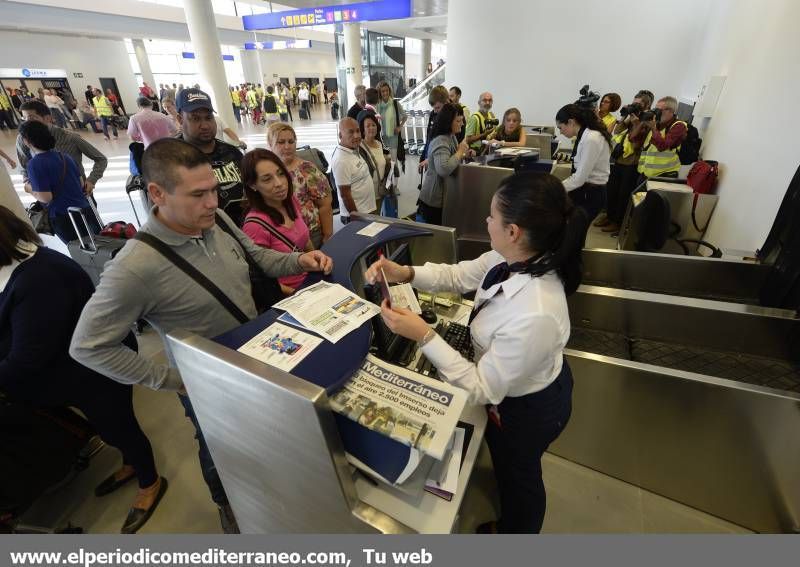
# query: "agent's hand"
[[394, 272], [316, 261], [404, 322], [463, 148], [423, 165]]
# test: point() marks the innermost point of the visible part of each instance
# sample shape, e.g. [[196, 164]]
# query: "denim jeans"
[[207, 466], [105, 121]]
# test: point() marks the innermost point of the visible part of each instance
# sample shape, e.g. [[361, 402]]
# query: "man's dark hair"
[[443, 125], [372, 96], [144, 102], [458, 91], [270, 90], [38, 134], [162, 158], [35, 105], [14, 230]]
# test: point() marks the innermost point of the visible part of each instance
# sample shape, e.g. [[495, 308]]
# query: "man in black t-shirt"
[[361, 100], [196, 116]]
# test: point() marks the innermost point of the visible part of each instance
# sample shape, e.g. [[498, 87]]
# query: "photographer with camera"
[[662, 135], [625, 161], [591, 157], [481, 123]]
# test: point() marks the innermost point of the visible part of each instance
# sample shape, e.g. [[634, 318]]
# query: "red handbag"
[[702, 176], [119, 229]]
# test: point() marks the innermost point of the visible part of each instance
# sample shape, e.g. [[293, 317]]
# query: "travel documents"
[[419, 412], [330, 310], [372, 229], [280, 346]]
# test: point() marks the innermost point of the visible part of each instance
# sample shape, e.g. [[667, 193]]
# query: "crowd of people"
[[222, 215]]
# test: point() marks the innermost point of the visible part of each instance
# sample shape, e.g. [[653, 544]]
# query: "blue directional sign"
[[359, 12]]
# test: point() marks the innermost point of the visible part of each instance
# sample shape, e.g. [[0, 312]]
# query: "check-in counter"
[[278, 446]]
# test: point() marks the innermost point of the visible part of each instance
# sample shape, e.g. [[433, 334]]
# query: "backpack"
[[270, 106], [690, 148]]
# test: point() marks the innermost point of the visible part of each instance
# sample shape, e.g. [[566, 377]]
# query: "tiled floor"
[[580, 500]]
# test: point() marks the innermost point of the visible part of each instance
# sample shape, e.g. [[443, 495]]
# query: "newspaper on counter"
[[330, 310], [403, 405]]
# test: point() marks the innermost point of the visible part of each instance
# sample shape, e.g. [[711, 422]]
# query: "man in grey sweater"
[[140, 283]]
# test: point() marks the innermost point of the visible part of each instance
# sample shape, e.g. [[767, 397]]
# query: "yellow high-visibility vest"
[[103, 106], [653, 162]]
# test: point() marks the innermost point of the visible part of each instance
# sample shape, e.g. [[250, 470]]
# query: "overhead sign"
[[190, 55], [291, 44], [359, 12], [27, 73]]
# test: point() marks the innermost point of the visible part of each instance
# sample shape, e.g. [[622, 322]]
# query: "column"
[[424, 58], [352, 56], [144, 64], [251, 65], [205, 41]]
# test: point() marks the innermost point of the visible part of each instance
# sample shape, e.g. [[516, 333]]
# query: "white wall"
[[94, 58], [549, 49], [539, 53], [753, 133], [297, 63]]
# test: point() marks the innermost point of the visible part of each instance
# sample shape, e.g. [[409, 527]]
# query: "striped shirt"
[[71, 144]]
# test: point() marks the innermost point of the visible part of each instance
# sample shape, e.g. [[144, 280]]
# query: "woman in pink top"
[[274, 219]]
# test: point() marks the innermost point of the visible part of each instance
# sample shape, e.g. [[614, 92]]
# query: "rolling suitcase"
[[89, 250], [303, 114]]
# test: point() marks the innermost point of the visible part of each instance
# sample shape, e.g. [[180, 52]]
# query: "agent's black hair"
[[586, 117], [458, 90], [38, 134], [12, 231], [554, 228], [443, 125]]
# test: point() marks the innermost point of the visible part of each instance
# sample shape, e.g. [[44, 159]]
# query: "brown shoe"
[[610, 227], [602, 220]]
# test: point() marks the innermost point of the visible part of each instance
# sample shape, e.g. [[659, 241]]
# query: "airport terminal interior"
[[683, 338]]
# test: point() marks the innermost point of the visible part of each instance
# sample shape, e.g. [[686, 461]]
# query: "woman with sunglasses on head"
[[519, 328]]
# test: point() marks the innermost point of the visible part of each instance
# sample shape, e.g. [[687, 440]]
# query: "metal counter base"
[[737, 366], [695, 400]]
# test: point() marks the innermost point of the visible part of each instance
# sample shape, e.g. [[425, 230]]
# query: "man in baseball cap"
[[198, 127]]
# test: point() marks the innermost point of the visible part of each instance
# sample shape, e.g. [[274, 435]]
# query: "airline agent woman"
[[519, 327], [591, 165]]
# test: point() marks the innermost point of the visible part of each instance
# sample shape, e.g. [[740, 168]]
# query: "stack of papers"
[[330, 310]]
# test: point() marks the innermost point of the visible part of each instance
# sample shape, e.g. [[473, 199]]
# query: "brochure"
[[372, 229], [330, 310], [403, 405], [280, 346]]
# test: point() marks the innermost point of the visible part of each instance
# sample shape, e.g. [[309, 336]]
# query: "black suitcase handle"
[[71, 212]]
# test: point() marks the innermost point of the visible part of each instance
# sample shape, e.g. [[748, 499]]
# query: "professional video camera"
[[588, 98]]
